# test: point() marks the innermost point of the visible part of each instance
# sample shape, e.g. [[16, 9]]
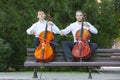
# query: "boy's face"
[[79, 16], [41, 15]]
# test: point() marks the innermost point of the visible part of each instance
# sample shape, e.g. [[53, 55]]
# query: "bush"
[[5, 53]]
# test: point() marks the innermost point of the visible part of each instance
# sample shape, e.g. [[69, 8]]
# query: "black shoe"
[[68, 60], [37, 61]]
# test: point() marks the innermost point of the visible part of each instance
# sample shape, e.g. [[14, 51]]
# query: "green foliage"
[[117, 14], [117, 6], [102, 16], [5, 54]]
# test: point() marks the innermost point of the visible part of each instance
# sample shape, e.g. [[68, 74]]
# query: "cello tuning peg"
[[85, 15], [49, 18]]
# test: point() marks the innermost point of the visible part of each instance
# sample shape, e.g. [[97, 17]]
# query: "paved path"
[[103, 75], [58, 76]]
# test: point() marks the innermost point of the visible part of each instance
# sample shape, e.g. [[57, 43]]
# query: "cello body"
[[82, 49], [44, 51]]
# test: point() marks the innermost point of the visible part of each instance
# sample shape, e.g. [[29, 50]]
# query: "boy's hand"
[[61, 33], [32, 32], [86, 24], [51, 23]]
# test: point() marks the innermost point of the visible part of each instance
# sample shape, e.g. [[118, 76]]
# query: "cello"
[[81, 49], [44, 52]]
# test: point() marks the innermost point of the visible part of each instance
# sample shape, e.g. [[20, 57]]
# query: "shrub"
[[5, 53]]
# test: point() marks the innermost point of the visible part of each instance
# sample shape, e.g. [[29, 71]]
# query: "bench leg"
[[35, 73], [90, 72]]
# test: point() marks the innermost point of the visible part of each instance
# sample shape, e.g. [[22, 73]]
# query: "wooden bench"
[[101, 57]]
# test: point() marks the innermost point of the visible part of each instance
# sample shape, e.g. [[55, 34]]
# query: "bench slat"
[[95, 59], [55, 58], [97, 54], [104, 59], [96, 51], [29, 63], [56, 54], [107, 54], [107, 51]]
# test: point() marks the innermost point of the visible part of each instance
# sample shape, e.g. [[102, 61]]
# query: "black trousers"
[[68, 46], [36, 43]]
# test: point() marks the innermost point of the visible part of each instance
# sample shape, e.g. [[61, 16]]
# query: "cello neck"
[[81, 32], [49, 18], [45, 30]]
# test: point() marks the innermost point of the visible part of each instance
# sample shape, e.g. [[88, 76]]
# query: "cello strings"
[[50, 42]]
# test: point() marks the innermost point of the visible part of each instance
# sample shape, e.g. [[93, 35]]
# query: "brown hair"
[[79, 11], [40, 10]]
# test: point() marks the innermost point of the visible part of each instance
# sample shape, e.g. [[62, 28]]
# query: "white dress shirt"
[[38, 27], [74, 27]]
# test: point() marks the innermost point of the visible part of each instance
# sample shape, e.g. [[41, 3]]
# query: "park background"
[[18, 15]]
